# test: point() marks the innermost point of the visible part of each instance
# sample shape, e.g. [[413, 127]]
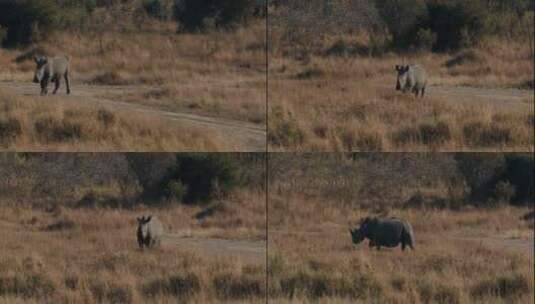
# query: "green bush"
[[505, 178], [456, 23], [402, 18], [438, 25], [155, 9], [520, 173], [3, 34], [198, 14], [481, 172], [206, 176], [175, 190], [425, 40], [27, 20], [504, 192]]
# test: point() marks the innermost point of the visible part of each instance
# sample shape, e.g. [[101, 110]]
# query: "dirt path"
[[522, 245], [506, 99], [510, 98], [250, 252], [237, 135]]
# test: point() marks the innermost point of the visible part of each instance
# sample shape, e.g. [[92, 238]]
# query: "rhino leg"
[[423, 92], [56, 82], [44, 85], [66, 76], [415, 91]]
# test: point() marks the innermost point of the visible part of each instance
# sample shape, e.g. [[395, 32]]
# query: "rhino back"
[[155, 228], [59, 65], [418, 76], [387, 232]]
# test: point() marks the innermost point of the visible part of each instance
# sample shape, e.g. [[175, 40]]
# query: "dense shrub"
[[438, 25], [205, 176], [197, 14], [505, 178], [481, 172], [3, 34], [520, 173], [155, 9], [194, 178], [402, 18], [456, 23], [27, 20], [504, 192], [151, 171], [175, 190], [424, 40]]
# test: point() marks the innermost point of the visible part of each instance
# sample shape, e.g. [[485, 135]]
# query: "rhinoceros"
[[411, 78], [388, 232], [149, 231], [51, 69]]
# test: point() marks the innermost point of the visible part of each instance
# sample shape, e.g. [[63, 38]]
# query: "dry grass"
[[456, 259], [325, 102], [217, 73], [463, 254], [68, 255], [53, 125]]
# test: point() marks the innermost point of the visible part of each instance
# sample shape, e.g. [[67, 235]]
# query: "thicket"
[[198, 14], [196, 177], [24, 22], [497, 178], [438, 25]]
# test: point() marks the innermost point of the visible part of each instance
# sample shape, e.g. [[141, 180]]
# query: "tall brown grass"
[[218, 73], [463, 254], [324, 101], [457, 258], [90, 255], [53, 125]]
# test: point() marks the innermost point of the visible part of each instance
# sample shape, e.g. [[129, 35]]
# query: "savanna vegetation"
[[69, 227], [472, 224], [146, 53], [332, 78]]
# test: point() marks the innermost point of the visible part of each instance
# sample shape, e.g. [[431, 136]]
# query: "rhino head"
[[143, 237], [401, 84], [40, 62], [358, 235]]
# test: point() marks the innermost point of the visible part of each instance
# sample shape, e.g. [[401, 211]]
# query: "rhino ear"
[[139, 219], [148, 218], [406, 68], [397, 67]]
